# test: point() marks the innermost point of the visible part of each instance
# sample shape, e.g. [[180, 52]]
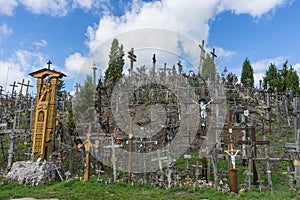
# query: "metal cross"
[[49, 63], [213, 53]]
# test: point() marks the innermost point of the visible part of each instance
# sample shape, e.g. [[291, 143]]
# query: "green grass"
[[92, 190]]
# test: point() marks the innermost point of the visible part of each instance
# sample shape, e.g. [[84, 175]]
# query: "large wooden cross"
[[202, 56], [231, 159], [13, 89], [87, 144], [253, 142]]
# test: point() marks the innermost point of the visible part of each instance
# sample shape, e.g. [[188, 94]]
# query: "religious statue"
[[232, 156]]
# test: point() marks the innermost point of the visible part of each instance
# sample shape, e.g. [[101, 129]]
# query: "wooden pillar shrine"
[[43, 123]]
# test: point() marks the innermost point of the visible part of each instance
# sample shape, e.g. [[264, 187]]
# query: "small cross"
[[49, 63], [213, 53]]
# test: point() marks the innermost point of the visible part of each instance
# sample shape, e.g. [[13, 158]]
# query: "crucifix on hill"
[[87, 144], [232, 154], [202, 56], [132, 58]]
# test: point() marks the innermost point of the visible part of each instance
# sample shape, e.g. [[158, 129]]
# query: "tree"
[[247, 77], [271, 77], [84, 105], [116, 63], [283, 80], [209, 68]]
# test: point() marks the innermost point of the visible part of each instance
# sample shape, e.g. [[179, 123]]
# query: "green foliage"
[[84, 105], [71, 123], [209, 68], [116, 62], [283, 79], [247, 77]]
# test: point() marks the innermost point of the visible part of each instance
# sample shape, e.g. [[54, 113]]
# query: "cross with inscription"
[[49, 63]]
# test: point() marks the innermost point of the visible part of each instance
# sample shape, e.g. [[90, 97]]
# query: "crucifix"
[[232, 152], [132, 58], [202, 56], [159, 159], [49, 63], [214, 55], [87, 144]]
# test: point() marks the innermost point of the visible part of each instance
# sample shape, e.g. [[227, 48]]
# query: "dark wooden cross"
[[179, 67], [132, 58], [49, 63], [27, 87], [253, 142], [153, 62], [213, 53], [13, 89], [202, 56]]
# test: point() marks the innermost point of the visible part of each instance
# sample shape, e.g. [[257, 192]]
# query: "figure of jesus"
[[232, 156]]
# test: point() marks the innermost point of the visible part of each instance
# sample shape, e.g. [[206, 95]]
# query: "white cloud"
[[7, 7], [255, 8], [40, 43], [260, 67], [5, 29], [55, 8], [74, 63]]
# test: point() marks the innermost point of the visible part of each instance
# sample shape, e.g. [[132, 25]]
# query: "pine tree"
[[209, 68], [84, 105], [271, 77], [247, 77], [116, 62]]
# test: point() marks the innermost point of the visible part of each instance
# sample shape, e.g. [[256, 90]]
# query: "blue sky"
[[67, 32]]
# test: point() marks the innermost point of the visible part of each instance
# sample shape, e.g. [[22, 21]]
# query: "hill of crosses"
[[159, 126]]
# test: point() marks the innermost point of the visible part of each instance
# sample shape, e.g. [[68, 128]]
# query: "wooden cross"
[[153, 62], [49, 63], [159, 159], [13, 89], [27, 87], [179, 67], [202, 56], [230, 151], [213, 53], [113, 155], [132, 58], [87, 144], [165, 69]]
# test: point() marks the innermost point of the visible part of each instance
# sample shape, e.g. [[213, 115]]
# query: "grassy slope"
[[92, 190]]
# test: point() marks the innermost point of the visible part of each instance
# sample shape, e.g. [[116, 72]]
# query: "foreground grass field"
[[92, 190]]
